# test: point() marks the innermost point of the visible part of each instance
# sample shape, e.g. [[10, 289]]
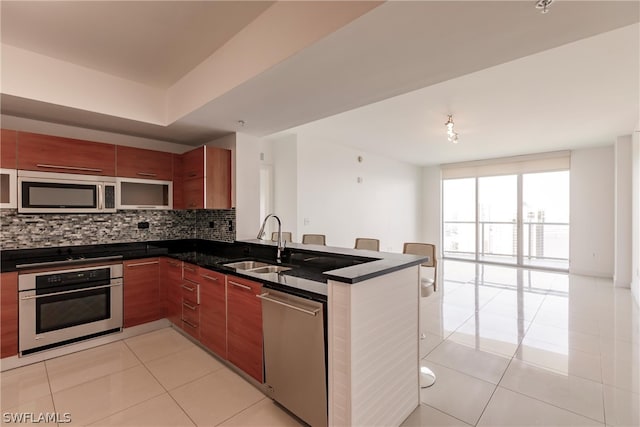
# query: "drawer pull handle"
[[189, 306], [193, 270], [215, 279], [175, 264], [146, 174], [143, 263], [186, 322], [188, 288], [231, 282], [72, 168]]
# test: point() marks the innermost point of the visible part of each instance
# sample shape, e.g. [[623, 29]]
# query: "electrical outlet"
[[307, 221], [143, 225], [212, 224], [230, 225]]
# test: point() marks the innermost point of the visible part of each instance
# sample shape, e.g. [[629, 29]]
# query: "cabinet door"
[[218, 178], [193, 163], [8, 141], [8, 314], [178, 179], [213, 311], [244, 326], [141, 291], [193, 193], [54, 154], [146, 164], [170, 281]]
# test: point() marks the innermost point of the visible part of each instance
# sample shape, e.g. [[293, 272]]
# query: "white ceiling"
[[516, 81], [150, 42]]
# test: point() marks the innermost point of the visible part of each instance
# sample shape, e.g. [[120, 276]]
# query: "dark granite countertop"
[[311, 265]]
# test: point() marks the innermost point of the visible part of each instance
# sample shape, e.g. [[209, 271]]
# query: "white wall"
[[285, 180], [635, 217], [591, 235], [385, 205], [247, 186], [622, 210], [431, 206]]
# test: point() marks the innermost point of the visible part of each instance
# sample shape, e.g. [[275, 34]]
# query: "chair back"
[[425, 249], [366, 243], [286, 236], [314, 239]]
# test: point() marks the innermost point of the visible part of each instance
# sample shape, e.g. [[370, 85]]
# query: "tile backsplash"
[[22, 231]]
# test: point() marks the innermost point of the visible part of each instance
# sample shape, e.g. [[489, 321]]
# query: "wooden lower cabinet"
[[170, 282], [8, 314], [213, 311], [141, 291], [244, 326], [190, 305]]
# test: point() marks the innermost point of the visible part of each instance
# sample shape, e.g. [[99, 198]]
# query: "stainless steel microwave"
[[45, 192]]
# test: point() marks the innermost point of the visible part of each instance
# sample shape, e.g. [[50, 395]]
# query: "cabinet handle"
[[189, 306], [193, 270], [73, 168], [231, 282], [146, 174], [142, 263], [186, 322], [188, 288], [175, 264], [266, 296], [215, 279], [192, 174]]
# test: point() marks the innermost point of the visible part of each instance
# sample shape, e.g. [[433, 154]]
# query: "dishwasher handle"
[[266, 297]]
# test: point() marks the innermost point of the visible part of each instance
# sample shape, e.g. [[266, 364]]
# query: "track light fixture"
[[452, 135]]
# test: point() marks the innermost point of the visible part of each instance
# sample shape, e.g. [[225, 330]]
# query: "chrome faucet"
[[280, 241]]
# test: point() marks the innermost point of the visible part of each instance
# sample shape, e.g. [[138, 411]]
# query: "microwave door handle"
[[100, 196]]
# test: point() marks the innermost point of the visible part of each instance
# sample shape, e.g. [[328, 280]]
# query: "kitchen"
[[244, 194]]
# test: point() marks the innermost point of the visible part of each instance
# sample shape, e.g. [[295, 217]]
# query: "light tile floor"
[[509, 347], [156, 379], [516, 347]]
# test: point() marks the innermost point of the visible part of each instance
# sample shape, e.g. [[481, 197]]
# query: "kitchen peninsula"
[[371, 307]]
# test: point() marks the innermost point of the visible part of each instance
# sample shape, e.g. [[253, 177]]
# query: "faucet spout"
[[280, 241]]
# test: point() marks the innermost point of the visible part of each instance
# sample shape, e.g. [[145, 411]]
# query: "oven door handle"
[[70, 292]]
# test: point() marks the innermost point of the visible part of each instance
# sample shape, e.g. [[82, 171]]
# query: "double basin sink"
[[257, 267]]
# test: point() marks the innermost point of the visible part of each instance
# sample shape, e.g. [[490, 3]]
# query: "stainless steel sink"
[[269, 269], [246, 265]]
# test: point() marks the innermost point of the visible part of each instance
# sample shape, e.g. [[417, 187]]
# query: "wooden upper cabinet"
[[218, 178], [8, 141], [55, 154], [193, 163], [145, 164], [206, 181], [178, 179]]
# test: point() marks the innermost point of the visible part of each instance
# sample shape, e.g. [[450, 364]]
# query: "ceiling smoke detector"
[[544, 5]]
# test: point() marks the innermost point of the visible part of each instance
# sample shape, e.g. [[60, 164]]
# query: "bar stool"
[[427, 287], [366, 243], [314, 239]]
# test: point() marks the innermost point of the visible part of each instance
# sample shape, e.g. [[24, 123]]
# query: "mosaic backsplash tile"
[[22, 231]]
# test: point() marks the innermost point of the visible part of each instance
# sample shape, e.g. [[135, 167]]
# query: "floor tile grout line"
[[86, 381], [447, 414]]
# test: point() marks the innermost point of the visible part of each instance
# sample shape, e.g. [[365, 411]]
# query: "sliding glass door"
[[498, 219], [545, 209], [519, 219]]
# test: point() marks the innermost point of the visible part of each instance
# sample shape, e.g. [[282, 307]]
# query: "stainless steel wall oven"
[[63, 306]]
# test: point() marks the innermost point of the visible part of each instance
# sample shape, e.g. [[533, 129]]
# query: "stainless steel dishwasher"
[[294, 354]]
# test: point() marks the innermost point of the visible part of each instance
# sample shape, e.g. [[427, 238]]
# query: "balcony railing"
[[543, 242]]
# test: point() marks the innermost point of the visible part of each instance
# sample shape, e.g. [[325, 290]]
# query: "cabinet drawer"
[[191, 312], [191, 272], [191, 328], [190, 291]]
